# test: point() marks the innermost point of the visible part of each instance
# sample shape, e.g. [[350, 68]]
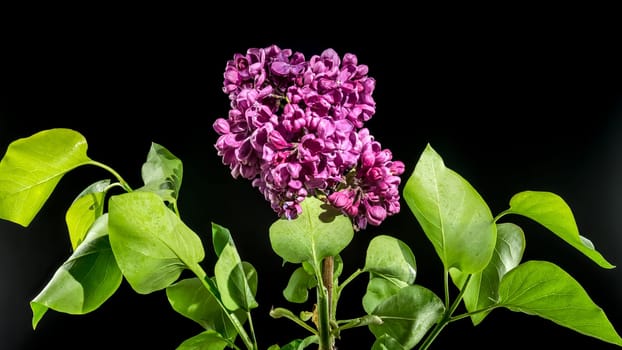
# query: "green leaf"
[[31, 169], [386, 342], [408, 315], [221, 237], [337, 268], [297, 344], [552, 212], [483, 288], [378, 290], [207, 340], [312, 339], [151, 244], [543, 289], [452, 214], [191, 299], [85, 209], [318, 232], [293, 345], [231, 279], [390, 256], [85, 281], [297, 289], [162, 173]]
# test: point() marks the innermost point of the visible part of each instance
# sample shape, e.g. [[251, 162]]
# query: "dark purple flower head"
[[295, 129]]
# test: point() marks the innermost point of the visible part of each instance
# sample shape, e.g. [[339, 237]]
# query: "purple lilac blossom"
[[296, 129]]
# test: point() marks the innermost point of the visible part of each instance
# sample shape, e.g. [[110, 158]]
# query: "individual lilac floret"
[[295, 129]]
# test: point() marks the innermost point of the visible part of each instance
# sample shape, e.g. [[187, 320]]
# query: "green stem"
[[124, 184], [347, 281], [252, 328], [282, 312], [446, 318], [360, 322]]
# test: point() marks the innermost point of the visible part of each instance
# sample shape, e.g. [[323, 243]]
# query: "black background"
[[511, 104]]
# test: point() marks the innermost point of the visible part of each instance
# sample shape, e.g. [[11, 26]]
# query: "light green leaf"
[[151, 244], [312, 339], [162, 173], [207, 340], [88, 206], [386, 342], [552, 212], [232, 284], [483, 288], [191, 299], [231, 279], [318, 232], [31, 169], [452, 214], [408, 315], [543, 289], [297, 289], [221, 237], [292, 345], [378, 290], [85, 281], [297, 344], [390, 256]]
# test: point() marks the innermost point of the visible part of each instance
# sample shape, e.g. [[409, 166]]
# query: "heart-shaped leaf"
[[318, 232]]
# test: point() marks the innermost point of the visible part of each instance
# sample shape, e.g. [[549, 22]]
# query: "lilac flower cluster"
[[295, 129]]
